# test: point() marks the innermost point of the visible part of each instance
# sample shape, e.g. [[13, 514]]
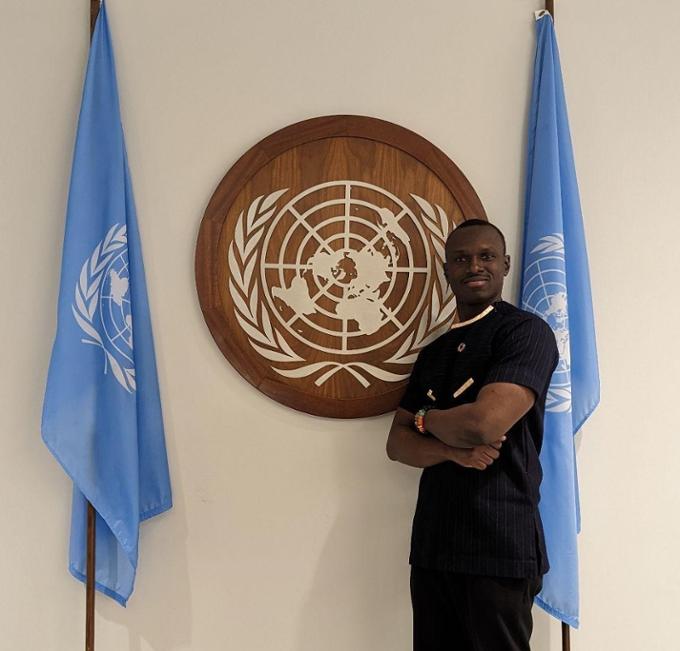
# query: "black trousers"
[[460, 612]]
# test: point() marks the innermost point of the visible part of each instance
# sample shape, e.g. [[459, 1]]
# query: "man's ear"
[[507, 265]]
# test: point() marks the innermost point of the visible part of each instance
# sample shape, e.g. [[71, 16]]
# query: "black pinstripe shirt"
[[485, 522]]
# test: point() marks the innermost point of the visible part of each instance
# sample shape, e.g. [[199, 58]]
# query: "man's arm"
[[406, 445], [498, 407]]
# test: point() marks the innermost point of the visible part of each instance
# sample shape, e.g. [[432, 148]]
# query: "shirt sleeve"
[[526, 354]]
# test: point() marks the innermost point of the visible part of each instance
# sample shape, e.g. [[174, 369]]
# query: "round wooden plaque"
[[319, 262]]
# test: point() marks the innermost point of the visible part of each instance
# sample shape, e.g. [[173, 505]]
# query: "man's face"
[[476, 265]]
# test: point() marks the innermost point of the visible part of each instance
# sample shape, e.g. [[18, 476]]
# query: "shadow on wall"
[[544, 625], [361, 583], [162, 556]]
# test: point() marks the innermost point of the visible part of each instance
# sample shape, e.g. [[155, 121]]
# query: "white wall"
[[290, 533]]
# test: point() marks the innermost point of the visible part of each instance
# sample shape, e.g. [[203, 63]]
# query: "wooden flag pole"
[[89, 586], [566, 642], [91, 513], [94, 12], [566, 645]]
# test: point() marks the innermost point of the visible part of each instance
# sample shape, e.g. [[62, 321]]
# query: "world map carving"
[[360, 275], [344, 284]]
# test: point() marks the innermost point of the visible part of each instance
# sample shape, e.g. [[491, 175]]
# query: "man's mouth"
[[476, 281]]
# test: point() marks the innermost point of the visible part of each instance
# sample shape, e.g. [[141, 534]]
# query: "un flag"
[[102, 412], [556, 286]]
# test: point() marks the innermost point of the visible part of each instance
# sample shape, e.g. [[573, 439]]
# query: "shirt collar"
[[480, 316]]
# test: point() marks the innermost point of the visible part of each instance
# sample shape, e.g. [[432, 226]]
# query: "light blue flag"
[[556, 285], [102, 412]]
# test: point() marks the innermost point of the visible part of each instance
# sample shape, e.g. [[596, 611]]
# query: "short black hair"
[[476, 222]]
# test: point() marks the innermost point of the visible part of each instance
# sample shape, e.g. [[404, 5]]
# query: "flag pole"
[[550, 7], [566, 642], [91, 513], [94, 12], [89, 586]]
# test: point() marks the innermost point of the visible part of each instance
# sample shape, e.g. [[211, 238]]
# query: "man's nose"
[[476, 264]]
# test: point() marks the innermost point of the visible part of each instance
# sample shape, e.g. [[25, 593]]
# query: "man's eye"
[[488, 256], [460, 258]]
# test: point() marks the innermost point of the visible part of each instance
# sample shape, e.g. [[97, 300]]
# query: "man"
[[472, 417]]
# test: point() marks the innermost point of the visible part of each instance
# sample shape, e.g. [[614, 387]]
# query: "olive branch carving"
[[87, 300]]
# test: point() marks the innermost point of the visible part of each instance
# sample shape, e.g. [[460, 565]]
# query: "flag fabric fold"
[[102, 413], [555, 284]]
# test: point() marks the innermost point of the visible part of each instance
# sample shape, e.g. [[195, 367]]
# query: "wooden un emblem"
[[319, 262]]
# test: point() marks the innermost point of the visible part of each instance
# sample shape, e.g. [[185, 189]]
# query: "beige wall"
[[289, 532]]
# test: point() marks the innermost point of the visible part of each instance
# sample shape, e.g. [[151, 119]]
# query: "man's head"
[[476, 262]]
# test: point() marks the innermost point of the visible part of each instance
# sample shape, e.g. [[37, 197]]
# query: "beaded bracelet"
[[419, 419]]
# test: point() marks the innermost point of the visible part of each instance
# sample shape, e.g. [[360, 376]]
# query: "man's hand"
[[407, 446], [498, 407], [479, 457]]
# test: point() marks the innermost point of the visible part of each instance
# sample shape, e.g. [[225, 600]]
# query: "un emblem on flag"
[[545, 294], [102, 305], [319, 263]]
